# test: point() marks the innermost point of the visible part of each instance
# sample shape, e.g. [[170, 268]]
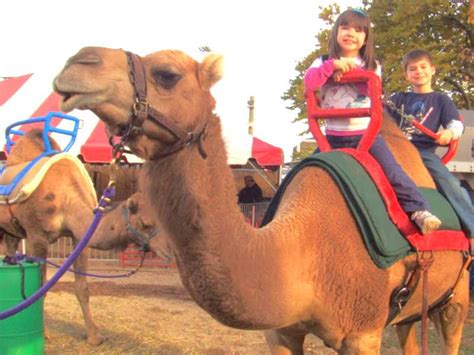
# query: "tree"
[[439, 26]]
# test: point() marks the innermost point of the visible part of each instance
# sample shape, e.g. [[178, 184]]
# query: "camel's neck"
[[218, 253]]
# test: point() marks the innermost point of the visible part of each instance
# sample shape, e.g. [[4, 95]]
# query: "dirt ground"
[[151, 313]]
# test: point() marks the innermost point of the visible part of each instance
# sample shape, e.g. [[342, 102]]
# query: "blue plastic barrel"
[[22, 333]]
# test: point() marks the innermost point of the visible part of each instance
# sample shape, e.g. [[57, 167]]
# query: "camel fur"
[[305, 272], [62, 206]]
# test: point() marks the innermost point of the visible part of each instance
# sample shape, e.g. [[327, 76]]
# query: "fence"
[[62, 248]]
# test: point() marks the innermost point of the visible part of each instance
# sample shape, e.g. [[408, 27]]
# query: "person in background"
[[251, 193], [434, 110], [351, 46]]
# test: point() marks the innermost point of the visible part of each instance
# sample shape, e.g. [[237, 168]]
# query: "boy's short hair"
[[416, 54]]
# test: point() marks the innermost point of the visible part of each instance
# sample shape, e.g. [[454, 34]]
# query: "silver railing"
[[63, 247]]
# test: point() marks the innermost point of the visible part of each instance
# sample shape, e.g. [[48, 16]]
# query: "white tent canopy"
[[31, 95]]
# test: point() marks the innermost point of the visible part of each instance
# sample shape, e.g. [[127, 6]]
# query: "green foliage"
[[438, 26]]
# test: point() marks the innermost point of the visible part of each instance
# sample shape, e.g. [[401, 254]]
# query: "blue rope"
[[41, 260]]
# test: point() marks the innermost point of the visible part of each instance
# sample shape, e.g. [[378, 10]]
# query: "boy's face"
[[419, 74]]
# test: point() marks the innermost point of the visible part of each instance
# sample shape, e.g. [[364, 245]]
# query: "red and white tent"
[[31, 95]]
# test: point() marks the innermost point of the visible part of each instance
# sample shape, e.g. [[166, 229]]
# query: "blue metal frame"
[[6, 190], [11, 131], [48, 128]]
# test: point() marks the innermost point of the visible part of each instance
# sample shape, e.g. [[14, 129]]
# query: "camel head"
[[131, 222], [177, 92], [29, 146], [143, 225]]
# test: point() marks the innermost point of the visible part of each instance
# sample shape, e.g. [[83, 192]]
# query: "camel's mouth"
[[75, 100]]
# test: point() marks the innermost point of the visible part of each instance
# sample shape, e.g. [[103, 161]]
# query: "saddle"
[[18, 182]]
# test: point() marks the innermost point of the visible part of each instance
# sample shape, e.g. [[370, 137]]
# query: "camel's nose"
[[86, 56]]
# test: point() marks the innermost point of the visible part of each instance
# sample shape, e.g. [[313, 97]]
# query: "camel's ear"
[[211, 70], [132, 205]]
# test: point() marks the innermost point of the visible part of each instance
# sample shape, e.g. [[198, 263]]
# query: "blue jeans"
[[409, 197], [450, 187]]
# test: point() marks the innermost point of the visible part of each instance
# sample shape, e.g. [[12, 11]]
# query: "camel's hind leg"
[[285, 341], [450, 320], [82, 293]]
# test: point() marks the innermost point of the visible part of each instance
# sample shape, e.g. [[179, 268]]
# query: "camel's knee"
[[365, 344], [11, 244], [450, 321]]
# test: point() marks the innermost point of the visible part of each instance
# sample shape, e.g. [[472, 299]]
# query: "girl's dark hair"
[[358, 19]]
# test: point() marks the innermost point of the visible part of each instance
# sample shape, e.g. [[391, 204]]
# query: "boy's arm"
[[453, 126], [453, 130]]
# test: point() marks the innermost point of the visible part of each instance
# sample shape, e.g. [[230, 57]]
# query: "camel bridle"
[[138, 237], [142, 110]]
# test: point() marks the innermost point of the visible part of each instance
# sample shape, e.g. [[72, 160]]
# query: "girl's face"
[[350, 40]]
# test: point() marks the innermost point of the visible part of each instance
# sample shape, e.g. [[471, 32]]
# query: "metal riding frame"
[[47, 128], [374, 111], [452, 146]]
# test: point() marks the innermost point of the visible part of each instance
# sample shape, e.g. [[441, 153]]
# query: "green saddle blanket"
[[383, 240]]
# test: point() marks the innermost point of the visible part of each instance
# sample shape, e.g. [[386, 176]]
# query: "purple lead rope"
[[108, 194]]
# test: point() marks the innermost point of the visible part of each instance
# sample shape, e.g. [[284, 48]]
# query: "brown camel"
[[62, 206], [305, 272]]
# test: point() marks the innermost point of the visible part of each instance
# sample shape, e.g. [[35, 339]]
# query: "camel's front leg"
[[40, 250], [82, 293], [450, 321], [285, 341], [407, 338], [11, 244]]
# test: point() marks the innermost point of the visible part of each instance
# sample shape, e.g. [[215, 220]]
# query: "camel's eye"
[[165, 78]]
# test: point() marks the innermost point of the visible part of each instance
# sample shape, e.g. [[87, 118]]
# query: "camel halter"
[[141, 110], [142, 239]]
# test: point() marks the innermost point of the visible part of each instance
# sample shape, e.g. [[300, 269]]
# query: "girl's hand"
[[445, 137], [337, 75], [344, 65]]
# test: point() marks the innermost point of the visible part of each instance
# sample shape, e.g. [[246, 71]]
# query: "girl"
[[351, 46]]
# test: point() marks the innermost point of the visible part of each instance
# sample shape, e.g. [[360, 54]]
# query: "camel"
[[307, 271], [62, 205]]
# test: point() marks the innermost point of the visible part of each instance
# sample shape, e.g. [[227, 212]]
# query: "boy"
[[433, 109]]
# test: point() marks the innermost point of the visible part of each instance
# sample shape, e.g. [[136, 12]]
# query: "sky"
[[261, 41]]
